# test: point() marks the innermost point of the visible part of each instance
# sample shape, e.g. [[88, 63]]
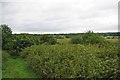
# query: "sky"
[[60, 16]]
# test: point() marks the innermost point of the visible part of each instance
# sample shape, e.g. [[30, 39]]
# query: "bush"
[[19, 45], [77, 40], [88, 38], [48, 39], [108, 37], [21, 41], [71, 61]]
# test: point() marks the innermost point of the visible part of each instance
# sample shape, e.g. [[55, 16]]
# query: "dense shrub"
[[88, 38], [72, 60], [19, 45], [6, 35], [31, 38], [77, 40], [48, 39], [108, 37], [21, 41]]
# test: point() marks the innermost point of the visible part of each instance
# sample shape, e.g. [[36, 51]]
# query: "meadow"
[[87, 55]]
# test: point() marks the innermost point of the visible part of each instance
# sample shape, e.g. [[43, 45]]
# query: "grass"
[[113, 40], [16, 68], [64, 41]]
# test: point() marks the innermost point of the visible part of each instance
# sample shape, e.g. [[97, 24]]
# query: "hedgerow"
[[72, 61]]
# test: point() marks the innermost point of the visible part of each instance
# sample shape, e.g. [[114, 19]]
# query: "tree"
[[48, 39], [6, 34], [77, 40]]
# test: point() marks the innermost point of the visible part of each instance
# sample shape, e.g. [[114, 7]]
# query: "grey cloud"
[[60, 16], [0, 13]]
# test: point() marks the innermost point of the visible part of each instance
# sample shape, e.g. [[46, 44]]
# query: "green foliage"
[[88, 38], [77, 40], [5, 56], [92, 38], [21, 41], [19, 45], [48, 39], [6, 34], [32, 38], [62, 61], [73, 61]]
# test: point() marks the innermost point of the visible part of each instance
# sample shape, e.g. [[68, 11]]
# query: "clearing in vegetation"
[[17, 68]]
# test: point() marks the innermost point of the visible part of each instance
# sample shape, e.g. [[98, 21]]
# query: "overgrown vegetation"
[[14, 44], [62, 61], [60, 55], [48, 39]]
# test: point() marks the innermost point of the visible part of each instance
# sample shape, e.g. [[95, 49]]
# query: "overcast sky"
[[60, 16]]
